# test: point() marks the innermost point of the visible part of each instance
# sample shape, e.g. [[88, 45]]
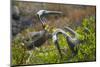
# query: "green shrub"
[[49, 54]]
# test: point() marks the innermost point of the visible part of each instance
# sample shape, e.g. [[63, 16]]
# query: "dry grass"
[[72, 13]]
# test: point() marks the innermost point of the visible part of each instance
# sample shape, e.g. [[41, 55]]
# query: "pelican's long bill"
[[53, 12]]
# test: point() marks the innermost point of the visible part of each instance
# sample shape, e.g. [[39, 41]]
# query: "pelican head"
[[42, 13]]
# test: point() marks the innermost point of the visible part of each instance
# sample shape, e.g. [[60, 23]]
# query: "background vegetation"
[[79, 18]]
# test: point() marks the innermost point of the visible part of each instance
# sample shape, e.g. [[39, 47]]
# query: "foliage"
[[49, 54]]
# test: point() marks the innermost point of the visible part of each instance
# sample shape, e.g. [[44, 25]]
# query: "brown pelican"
[[72, 41]]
